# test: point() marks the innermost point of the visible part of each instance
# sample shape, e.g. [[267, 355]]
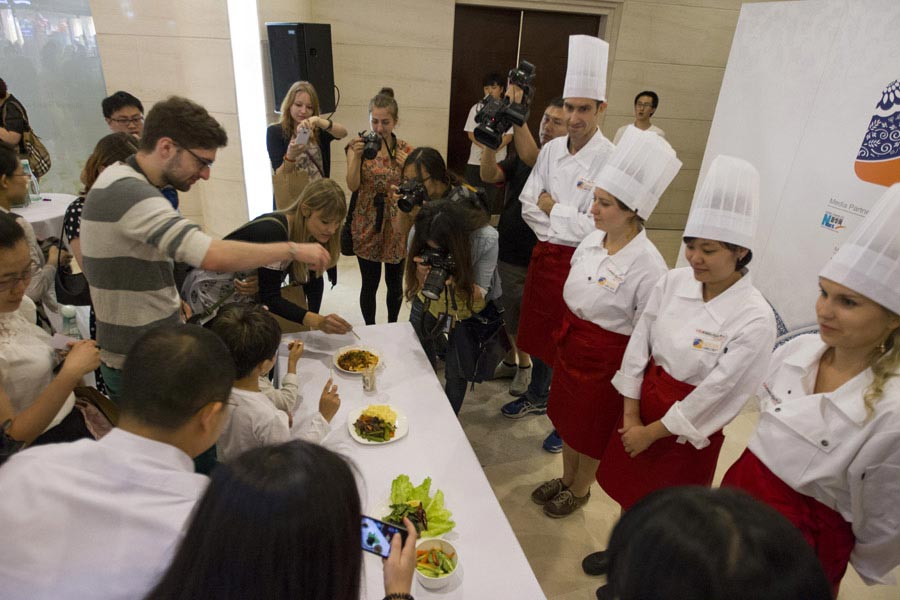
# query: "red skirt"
[[666, 463], [583, 404], [542, 300], [824, 528]]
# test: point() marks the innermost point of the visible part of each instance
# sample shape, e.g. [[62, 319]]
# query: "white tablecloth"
[[492, 563], [46, 216]]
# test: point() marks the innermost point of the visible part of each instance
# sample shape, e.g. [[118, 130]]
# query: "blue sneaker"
[[522, 407], [553, 443]]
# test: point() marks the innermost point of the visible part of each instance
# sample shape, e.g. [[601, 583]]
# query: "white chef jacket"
[[611, 291], [569, 180], [722, 347], [826, 446], [255, 421], [93, 519]]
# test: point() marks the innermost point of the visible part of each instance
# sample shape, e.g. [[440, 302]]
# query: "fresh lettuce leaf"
[[439, 518]]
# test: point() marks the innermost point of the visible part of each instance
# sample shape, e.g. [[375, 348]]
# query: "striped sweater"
[[130, 238]]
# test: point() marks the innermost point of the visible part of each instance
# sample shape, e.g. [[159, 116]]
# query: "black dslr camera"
[[442, 266], [497, 116], [411, 193], [372, 144]]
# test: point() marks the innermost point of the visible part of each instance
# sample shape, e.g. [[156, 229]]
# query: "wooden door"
[[488, 39], [545, 44], [485, 40]]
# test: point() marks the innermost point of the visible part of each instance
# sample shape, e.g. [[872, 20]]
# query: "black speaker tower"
[[301, 51]]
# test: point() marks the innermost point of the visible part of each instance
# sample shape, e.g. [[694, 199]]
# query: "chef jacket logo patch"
[[832, 221], [707, 341], [878, 159]]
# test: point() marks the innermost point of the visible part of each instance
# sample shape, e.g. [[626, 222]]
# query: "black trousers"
[[371, 278]]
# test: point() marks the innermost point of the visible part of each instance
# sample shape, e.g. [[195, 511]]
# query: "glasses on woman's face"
[[8, 283]]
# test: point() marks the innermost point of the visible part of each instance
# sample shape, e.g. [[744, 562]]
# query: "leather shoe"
[[603, 593], [596, 563]]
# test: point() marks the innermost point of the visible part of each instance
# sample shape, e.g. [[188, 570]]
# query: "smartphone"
[[302, 137], [377, 536]]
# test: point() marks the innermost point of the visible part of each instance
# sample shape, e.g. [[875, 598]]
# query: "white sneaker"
[[520, 381], [505, 370]]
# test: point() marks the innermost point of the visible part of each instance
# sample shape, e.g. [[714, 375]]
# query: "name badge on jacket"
[[707, 341], [609, 278]]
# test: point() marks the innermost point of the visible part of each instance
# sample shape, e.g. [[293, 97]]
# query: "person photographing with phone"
[[281, 522]]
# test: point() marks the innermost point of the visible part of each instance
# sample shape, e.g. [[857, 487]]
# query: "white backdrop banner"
[[811, 98]]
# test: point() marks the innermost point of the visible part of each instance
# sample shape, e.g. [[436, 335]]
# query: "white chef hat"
[[586, 69], [639, 170], [726, 206], [869, 261]]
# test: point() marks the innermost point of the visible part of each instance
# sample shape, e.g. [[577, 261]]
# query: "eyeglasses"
[[132, 121], [11, 282], [204, 162], [643, 105]]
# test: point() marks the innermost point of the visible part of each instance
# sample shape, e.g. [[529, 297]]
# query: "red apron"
[[666, 463], [542, 300], [583, 404], [824, 528]]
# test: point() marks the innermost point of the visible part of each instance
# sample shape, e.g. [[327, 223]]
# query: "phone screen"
[[377, 536]]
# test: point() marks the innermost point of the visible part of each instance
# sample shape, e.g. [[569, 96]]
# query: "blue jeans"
[[539, 388], [112, 379]]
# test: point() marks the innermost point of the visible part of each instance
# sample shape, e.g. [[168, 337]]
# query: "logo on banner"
[[878, 160], [832, 221]]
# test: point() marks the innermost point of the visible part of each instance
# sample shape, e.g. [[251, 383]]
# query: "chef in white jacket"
[[613, 273], [699, 351], [556, 204], [826, 452]]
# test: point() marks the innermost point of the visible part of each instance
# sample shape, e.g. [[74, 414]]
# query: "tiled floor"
[[510, 452]]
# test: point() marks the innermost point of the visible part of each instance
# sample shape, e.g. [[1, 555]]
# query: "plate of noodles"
[[356, 359]]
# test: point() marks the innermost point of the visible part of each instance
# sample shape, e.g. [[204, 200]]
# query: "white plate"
[[400, 430], [374, 351]]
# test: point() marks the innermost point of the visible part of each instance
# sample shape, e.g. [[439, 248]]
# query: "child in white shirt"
[[261, 414]]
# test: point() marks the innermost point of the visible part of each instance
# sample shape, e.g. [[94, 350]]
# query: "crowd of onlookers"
[[182, 474]]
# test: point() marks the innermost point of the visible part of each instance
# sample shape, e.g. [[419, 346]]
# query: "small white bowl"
[[436, 583]]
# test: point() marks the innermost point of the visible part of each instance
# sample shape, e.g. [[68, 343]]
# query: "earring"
[[882, 348]]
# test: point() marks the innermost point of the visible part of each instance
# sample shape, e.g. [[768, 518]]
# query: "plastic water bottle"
[[34, 190], [69, 321]]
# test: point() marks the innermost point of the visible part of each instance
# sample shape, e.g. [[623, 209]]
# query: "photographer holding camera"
[[374, 165], [425, 178], [453, 283], [494, 86]]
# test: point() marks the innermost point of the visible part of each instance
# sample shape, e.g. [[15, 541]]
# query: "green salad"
[[427, 512]]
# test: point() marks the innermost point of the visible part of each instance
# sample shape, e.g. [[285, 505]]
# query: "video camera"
[[497, 116]]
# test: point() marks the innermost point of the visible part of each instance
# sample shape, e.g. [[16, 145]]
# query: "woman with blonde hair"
[[826, 451], [302, 138], [316, 216]]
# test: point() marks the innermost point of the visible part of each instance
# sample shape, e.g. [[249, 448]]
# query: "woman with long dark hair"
[[281, 523], [455, 235]]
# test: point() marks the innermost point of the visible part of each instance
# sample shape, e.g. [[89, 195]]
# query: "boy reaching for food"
[[260, 414]]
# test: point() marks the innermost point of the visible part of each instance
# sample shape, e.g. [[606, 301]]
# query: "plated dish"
[[356, 359], [377, 424]]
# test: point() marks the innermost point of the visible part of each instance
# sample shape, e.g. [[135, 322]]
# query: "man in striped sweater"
[[131, 235]]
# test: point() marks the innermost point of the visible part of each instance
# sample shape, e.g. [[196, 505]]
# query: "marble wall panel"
[[162, 18]]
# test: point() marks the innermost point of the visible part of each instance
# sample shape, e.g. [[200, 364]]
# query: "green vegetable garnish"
[[405, 499]]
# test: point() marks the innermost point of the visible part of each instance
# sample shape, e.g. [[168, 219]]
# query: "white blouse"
[[722, 347], [27, 359], [568, 179], [611, 291], [828, 447]]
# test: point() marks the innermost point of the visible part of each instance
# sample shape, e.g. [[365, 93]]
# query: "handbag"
[[206, 291], [71, 288], [479, 343], [31, 144], [347, 229], [288, 185]]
